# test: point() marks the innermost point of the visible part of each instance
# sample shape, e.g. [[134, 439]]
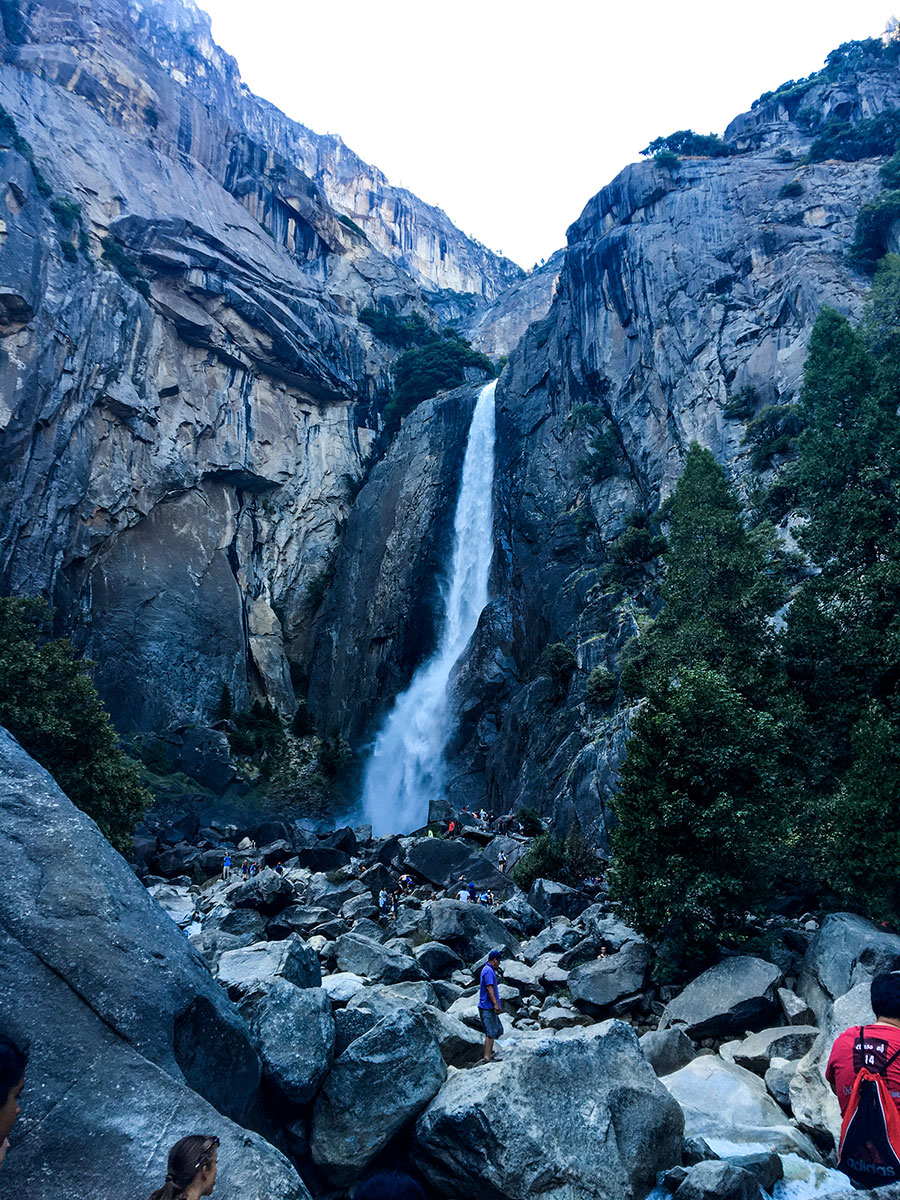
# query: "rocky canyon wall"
[[187, 396]]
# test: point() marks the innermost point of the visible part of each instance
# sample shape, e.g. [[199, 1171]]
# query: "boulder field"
[[322, 1039]]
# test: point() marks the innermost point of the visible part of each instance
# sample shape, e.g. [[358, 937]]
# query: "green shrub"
[[557, 662], [154, 757], [334, 756], [667, 159], [421, 373], [790, 190], [413, 330], [873, 223], [603, 457], [890, 173], [302, 722], [530, 820], [259, 735], [21, 146], [225, 707], [568, 861], [771, 435], [66, 210], [49, 703], [318, 585], [742, 406], [629, 556], [850, 142], [121, 259], [601, 687], [69, 251], [686, 142]]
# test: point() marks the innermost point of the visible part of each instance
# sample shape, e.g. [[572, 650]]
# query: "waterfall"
[[406, 769]]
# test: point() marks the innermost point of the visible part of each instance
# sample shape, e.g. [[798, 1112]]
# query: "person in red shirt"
[[879, 1041]]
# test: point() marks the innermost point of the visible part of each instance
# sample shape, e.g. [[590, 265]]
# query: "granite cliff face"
[[188, 398], [679, 290]]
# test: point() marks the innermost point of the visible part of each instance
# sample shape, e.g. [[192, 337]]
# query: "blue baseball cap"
[[495, 954]]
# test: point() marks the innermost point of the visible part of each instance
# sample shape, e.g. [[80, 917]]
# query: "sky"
[[510, 114]]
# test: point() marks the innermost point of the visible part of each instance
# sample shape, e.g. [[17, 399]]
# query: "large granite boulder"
[[293, 1029], [460, 1045], [74, 905], [667, 1050], [442, 860], [553, 899], [362, 955], [382, 1080], [727, 1106], [717, 1180], [268, 892], [580, 1114], [437, 960], [470, 929], [757, 1051], [734, 995], [291, 959], [596, 985], [846, 951]]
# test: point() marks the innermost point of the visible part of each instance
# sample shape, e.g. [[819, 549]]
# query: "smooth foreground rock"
[[595, 985], [115, 1031], [734, 995], [293, 1029], [249, 966], [74, 905], [381, 1081], [726, 1105], [580, 1115]]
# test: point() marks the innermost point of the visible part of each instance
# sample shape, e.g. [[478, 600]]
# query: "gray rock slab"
[[291, 959], [727, 1106], [364, 956], [575, 1114], [293, 1029], [791, 1042], [731, 997], [718, 1180], [846, 951], [381, 1081], [596, 985], [470, 929], [668, 1050]]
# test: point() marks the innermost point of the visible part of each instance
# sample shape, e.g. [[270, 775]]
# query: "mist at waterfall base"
[[406, 770]]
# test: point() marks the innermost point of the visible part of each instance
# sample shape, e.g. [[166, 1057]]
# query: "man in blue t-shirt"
[[489, 1005]]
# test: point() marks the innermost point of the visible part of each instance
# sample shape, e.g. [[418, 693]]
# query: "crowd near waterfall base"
[[405, 773], [578, 587]]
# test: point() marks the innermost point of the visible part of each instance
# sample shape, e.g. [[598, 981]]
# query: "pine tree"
[[700, 804], [49, 703]]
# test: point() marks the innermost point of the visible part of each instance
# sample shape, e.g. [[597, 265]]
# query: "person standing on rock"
[[501, 863], [13, 1061], [226, 868], [472, 897], [191, 1169], [489, 1005], [382, 902]]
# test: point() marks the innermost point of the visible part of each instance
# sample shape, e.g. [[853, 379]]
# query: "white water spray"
[[406, 769]]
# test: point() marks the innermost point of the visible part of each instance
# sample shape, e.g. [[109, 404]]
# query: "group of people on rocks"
[[484, 820]]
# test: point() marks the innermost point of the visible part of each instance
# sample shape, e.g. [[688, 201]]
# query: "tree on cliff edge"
[[49, 703], [700, 802]]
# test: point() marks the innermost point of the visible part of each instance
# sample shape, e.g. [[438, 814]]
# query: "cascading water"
[[406, 769]]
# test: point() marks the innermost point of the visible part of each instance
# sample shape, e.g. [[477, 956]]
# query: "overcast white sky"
[[511, 114]]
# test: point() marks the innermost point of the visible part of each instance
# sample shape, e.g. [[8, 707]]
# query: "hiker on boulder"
[[489, 1005], [864, 1073]]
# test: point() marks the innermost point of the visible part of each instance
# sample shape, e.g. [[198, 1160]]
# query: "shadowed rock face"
[[187, 395]]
